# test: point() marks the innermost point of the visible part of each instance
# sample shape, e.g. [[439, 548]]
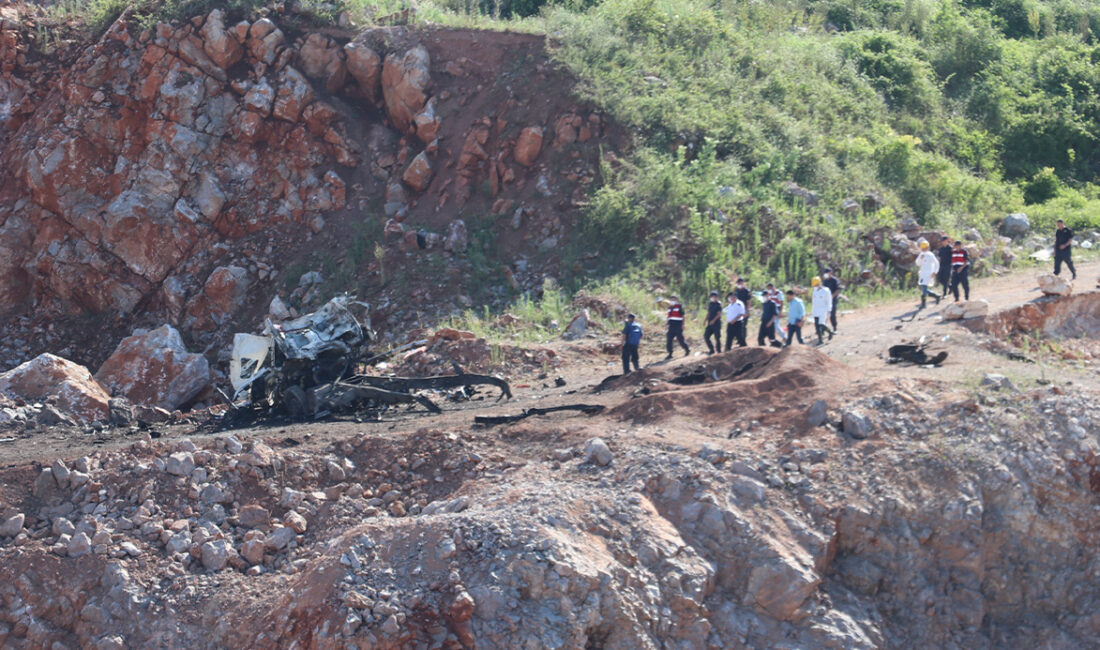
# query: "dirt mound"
[[727, 385]]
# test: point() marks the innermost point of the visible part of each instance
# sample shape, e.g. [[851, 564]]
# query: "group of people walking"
[[950, 265], [735, 314]]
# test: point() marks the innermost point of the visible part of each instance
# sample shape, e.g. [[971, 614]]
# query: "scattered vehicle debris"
[[915, 353], [305, 368], [490, 420]]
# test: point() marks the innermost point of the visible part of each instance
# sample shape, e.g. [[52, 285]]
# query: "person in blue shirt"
[[632, 338], [796, 311]]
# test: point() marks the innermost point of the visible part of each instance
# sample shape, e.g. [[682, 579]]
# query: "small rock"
[[80, 544], [296, 521], [253, 551], [130, 549], [233, 445], [997, 381], [215, 554], [817, 413], [12, 526], [856, 424], [1015, 225], [279, 538], [181, 463], [965, 310], [1055, 285], [336, 471], [596, 451], [446, 548], [254, 516], [60, 473]]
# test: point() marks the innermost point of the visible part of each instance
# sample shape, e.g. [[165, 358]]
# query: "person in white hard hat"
[[821, 307], [929, 266]]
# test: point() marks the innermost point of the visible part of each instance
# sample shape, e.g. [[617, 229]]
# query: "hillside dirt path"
[[864, 335], [861, 343]]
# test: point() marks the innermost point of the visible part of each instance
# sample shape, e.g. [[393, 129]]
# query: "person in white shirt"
[[929, 266], [735, 321], [821, 307]]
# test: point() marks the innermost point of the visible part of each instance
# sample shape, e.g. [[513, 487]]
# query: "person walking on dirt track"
[[741, 291], [821, 306], [960, 271], [944, 253], [833, 285], [929, 266], [796, 313], [632, 338], [675, 327], [735, 321], [714, 324], [768, 315], [1063, 249]]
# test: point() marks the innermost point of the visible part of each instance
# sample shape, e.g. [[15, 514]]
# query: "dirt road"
[[863, 338], [864, 335]]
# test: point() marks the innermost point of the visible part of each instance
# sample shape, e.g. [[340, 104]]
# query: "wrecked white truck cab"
[[304, 367], [314, 349]]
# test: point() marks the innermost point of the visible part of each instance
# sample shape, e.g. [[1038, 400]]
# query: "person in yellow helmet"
[[821, 307], [928, 265]]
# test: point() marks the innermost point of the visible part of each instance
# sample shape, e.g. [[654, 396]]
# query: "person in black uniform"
[[944, 274], [714, 324], [1063, 249], [768, 315], [960, 271], [742, 293], [829, 281]]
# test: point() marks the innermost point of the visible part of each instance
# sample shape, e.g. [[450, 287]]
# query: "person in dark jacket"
[[944, 274], [960, 271], [829, 281], [768, 315], [714, 324], [632, 338], [1063, 249], [675, 327], [745, 296]]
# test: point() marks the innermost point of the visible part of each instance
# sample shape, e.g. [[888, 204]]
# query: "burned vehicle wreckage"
[[311, 366]]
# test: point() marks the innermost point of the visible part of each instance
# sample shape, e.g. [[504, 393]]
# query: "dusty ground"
[[722, 518], [864, 335]]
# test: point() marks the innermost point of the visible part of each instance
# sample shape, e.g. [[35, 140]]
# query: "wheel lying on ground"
[[296, 404]]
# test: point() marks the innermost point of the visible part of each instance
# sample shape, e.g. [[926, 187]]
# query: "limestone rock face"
[[406, 79], [70, 386], [141, 155], [154, 368]]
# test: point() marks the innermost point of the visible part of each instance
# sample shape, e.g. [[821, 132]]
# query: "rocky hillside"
[[189, 173], [780, 498]]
